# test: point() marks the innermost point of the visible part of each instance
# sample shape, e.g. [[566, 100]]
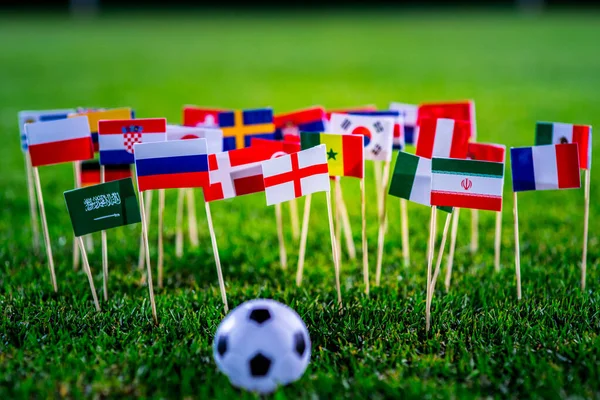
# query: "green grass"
[[482, 343]]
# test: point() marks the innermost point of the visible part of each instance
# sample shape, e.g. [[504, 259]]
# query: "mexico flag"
[[443, 137], [559, 133], [344, 152], [467, 184]]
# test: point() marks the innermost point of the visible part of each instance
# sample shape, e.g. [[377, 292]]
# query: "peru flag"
[[443, 138], [458, 110], [237, 172], [59, 141], [200, 116]]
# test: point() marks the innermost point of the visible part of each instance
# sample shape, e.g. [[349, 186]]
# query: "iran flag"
[[296, 175], [213, 136], [377, 131], [443, 137]]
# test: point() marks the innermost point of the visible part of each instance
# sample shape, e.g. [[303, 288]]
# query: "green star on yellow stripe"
[[331, 155]]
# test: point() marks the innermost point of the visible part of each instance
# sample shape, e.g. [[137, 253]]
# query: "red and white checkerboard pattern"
[[131, 138]]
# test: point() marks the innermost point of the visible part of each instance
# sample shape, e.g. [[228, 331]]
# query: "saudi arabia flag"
[[467, 184]]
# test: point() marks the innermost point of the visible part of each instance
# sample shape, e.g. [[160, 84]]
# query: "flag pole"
[[474, 230], [438, 262], [77, 178], [382, 220], [517, 250], [161, 250], [338, 219], [404, 223], [303, 237], [377, 171], [40, 200], [179, 223], [104, 245], [148, 211], [147, 256], [192, 220], [280, 238], [213, 239], [294, 219], [365, 248], [347, 229], [450, 261], [429, 265], [88, 271], [586, 217], [33, 212], [336, 259], [498, 241]]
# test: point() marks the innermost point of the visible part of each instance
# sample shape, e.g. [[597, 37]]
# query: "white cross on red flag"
[[296, 175]]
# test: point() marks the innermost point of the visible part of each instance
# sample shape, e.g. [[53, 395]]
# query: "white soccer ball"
[[262, 344]]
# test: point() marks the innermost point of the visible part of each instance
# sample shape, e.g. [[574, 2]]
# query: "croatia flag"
[[459, 110], [296, 175], [62, 140], [289, 125], [408, 114], [442, 137], [117, 137], [548, 167], [169, 165], [201, 116], [214, 137], [557, 133], [237, 172], [95, 115], [398, 124], [29, 117]]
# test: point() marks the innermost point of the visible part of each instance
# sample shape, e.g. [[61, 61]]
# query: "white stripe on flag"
[[478, 185], [58, 130], [214, 137], [442, 142], [176, 148], [421, 189], [223, 174], [116, 142], [561, 130], [544, 167]]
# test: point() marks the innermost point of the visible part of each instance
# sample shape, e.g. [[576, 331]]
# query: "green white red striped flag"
[[467, 184]]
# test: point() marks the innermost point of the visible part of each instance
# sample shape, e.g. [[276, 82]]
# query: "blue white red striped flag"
[[174, 164]]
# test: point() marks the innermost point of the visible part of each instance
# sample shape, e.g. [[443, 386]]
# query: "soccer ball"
[[262, 344]]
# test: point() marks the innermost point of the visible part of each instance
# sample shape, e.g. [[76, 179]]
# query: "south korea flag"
[[378, 132]]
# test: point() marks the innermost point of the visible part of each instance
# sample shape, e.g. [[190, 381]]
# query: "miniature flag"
[[94, 116], [104, 206], [411, 179], [240, 126], [460, 111], [90, 172], [213, 136], [279, 147], [467, 184], [345, 155], [201, 117], [398, 142], [295, 175], [486, 152], [170, 165], [29, 117], [443, 138], [289, 125], [378, 133], [548, 167], [58, 141], [367, 107], [237, 172], [117, 137], [408, 112], [557, 133]]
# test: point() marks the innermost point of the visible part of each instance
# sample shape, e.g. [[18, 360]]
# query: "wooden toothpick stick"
[[40, 200], [148, 211], [303, 238], [280, 238], [179, 223], [147, 254], [453, 236], [294, 219], [161, 251], [498, 241], [192, 220], [336, 259], [474, 230], [405, 240], [586, 218], [382, 220], [365, 248], [213, 239], [517, 249], [33, 212], [438, 263], [346, 227], [88, 271]]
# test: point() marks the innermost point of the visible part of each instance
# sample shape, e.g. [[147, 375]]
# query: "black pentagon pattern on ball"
[[259, 315], [259, 365], [299, 343], [222, 345]]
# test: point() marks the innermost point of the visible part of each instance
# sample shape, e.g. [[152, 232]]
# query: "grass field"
[[482, 343]]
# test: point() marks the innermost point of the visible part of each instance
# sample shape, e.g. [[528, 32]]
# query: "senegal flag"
[[345, 155]]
